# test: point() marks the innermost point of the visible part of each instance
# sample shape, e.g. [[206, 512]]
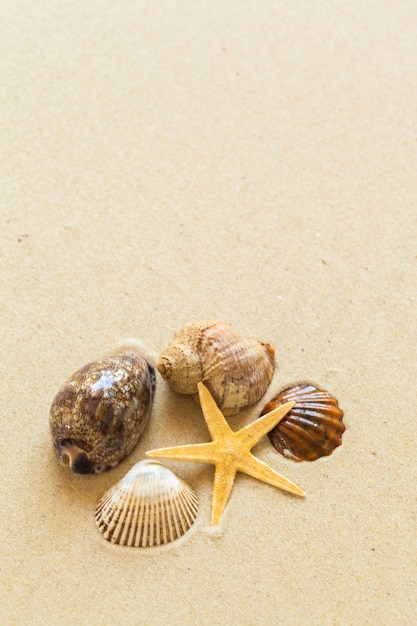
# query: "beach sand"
[[254, 163]]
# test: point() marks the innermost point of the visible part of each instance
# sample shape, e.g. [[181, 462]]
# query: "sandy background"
[[252, 162]]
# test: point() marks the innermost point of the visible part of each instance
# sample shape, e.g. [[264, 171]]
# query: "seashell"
[[150, 506], [98, 415], [236, 370], [312, 429]]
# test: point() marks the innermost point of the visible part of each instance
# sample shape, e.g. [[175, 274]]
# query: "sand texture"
[[252, 162]]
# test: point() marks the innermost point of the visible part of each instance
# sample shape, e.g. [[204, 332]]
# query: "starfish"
[[230, 452]]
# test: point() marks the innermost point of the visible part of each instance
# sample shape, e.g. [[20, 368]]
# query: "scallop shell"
[[312, 429], [98, 415], [235, 369], [150, 506]]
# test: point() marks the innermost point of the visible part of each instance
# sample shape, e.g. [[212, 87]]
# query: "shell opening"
[[72, 456], [64, 459]]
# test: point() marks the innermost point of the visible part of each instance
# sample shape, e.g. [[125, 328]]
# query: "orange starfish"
[[230, 452]]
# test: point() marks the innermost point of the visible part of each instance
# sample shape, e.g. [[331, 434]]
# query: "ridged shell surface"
[[312, 429], [236, 370], [99, 414], [150, 506]]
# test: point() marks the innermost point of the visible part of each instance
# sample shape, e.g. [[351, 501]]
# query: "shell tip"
[[270, 350], [160, 366]]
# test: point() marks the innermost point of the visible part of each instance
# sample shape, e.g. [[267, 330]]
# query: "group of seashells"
[[99, 414]]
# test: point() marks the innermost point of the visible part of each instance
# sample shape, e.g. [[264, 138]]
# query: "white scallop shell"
[[150, 506]]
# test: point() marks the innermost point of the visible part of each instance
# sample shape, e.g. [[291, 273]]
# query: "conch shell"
[[312, 428], [150, 506], [236, 370], [98, 415]]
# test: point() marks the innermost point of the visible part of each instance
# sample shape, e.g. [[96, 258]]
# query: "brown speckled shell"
[[236, 370], [98, 415], [149, 506], [312, 429]]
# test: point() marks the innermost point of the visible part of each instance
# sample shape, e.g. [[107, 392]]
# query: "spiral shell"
[[150, 506], [98, 415], [312, 429], [235, 369]]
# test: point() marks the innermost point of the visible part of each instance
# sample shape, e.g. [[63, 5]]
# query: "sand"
[[255, 163]]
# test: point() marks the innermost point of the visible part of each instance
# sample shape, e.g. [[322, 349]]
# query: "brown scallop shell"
[[312, 429], [236, 369]]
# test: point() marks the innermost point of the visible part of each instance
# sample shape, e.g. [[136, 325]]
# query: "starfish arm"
[[260, 470], [215, 420], [253, 432], [199, 453], [223, 484]]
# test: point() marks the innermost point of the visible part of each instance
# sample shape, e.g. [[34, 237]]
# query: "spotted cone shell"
[[150, 506], [99, 414], [313, 428], [236, 370]]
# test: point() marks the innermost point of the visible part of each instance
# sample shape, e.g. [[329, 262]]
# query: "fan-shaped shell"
[[312, 429], [98, 415], [237, 370], [150, 506]]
